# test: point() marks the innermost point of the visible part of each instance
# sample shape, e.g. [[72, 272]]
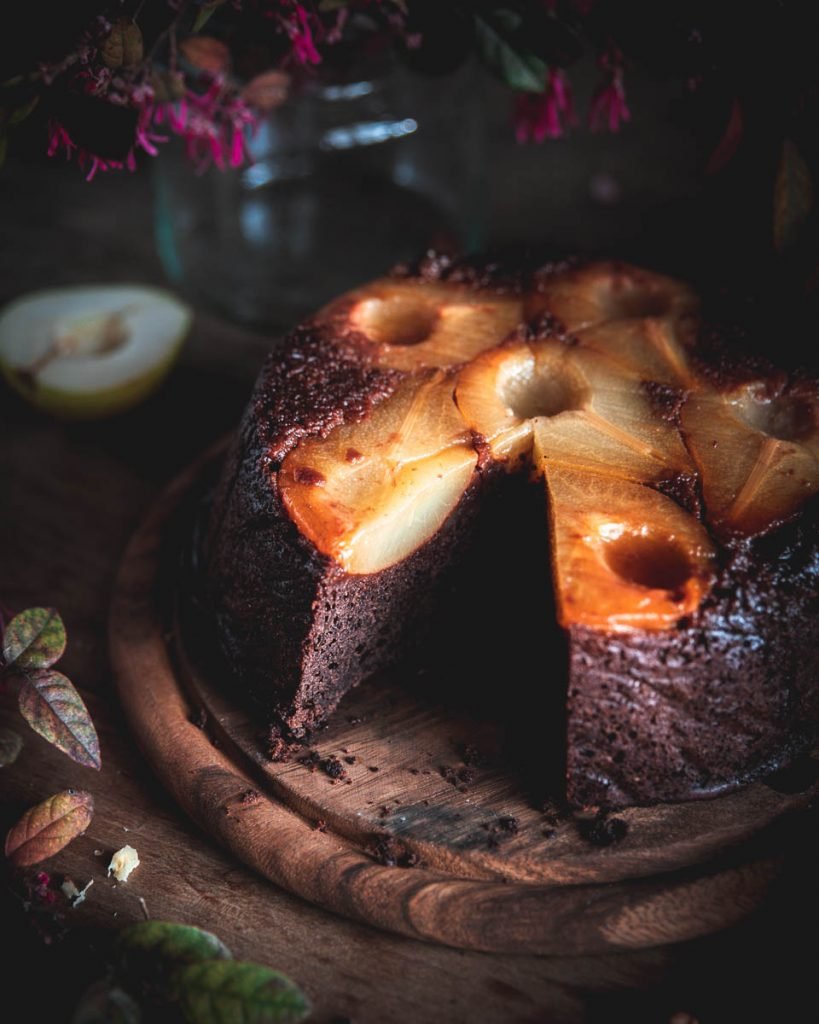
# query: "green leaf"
[[34, 639], [104, 1003], [52, 707], [10, 746], [793, 197], [506, 54], [205, 13], [149, 952], [45, 829], [179, 944], [123, 46], [22, 112], [221, 992]]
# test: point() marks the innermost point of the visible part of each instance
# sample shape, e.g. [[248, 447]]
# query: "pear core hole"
[[544, 393], [653, 562], [397, 320], [786, 417], [631, 302]]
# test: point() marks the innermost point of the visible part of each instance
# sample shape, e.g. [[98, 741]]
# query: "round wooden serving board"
[[426, 830]]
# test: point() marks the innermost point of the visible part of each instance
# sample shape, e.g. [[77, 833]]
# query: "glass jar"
[[347, 178]]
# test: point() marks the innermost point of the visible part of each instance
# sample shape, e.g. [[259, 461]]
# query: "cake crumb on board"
[[123, 862]]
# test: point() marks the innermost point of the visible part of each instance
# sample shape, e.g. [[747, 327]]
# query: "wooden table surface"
[[70, 496]]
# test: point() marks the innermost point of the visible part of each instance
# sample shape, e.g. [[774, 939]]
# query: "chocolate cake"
[[680, 480]]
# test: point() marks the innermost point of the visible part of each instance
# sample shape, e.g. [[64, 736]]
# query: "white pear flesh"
[[371, 493], [85, 352]]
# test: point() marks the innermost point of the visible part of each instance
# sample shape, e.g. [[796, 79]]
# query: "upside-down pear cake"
[[679, 477]]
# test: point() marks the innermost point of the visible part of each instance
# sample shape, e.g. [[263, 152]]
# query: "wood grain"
[[681, 871]]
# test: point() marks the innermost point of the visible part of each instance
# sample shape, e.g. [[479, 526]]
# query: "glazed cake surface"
[[679, 476]]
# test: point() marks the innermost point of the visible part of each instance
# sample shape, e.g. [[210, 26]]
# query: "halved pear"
[[90, 351], [501, 392], [625, 556], [614, 429], [414, 325], [581, 408], [649, 348], [371, 493], [586, 296], [757, 452]]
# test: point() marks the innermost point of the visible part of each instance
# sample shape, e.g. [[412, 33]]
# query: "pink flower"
[[213, 124], [301, 36], [58, 138], [145, 138], [540, 116], [237, 149], [335, 34], [140, 97], [608, 105], [41, 889]]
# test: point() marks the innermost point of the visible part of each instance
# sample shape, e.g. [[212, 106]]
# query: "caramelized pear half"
[[601, 292], [371, 493], [580, 408], [757, 452], [650, 349], [413, 325], [625, 556]]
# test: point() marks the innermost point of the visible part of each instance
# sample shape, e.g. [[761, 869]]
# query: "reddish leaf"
[[34, 639], [206, 53], [268, 90], [793, 196], [45, 829], [53, 708], [727, 146]]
